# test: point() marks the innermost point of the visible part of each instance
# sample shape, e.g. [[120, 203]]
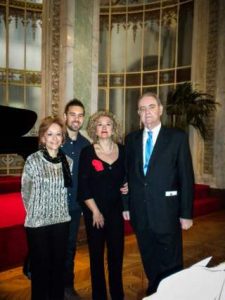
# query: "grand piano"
[[14, 124]]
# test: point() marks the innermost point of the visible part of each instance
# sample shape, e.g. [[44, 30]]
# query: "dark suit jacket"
[[166, 193]]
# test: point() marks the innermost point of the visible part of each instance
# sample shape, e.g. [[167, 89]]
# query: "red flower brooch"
[[97, 165]]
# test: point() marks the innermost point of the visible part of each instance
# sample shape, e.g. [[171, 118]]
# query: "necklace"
[[108, 152]]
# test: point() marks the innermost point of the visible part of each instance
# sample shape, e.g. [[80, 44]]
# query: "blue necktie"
[[148, 151]]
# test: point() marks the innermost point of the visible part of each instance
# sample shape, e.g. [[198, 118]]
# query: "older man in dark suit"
[[161, 189]]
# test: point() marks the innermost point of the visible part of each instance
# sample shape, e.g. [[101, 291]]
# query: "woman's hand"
[[98, 219], [126, 215], [186, 223], [124, 189]]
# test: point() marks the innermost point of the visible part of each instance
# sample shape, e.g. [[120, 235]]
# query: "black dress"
[[101, 181]]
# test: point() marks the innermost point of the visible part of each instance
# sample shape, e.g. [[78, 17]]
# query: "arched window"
[[20, 54], [145, 45]]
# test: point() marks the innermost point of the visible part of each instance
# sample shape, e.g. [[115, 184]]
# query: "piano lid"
[[15, 122]]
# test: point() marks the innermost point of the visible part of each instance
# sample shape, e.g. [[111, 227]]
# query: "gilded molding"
[[55, 54]]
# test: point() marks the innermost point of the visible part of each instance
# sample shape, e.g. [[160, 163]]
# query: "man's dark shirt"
[[73, 149]]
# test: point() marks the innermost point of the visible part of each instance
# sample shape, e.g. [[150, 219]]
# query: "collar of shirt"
[[70, 140], [155, 132]]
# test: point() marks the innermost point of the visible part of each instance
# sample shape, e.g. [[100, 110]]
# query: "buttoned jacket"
[[165, 194]]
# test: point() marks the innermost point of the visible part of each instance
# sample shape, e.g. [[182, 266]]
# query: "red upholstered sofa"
[[10, 184], [13, 245]]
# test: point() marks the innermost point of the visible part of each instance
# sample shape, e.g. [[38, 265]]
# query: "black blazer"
[[166, 193]]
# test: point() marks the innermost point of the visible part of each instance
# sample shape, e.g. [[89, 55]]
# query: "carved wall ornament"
[[25, 12], [137, 19], [55, 53]]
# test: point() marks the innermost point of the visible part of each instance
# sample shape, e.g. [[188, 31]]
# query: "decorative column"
[[67, 32], [199, 69], [219, 141], [70, 54], [51, 57], [208, 75], [86, 37]]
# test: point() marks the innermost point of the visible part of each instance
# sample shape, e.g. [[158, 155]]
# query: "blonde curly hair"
[[92, 124]]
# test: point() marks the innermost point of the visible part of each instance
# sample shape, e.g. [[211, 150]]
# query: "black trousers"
[[69, 275], [161, 255], [111, 235], [47, 249]]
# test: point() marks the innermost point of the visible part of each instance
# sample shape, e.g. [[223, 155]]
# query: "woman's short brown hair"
[[44, 126], [92, 124]]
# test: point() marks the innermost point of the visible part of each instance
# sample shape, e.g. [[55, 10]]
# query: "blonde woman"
[[101, 176]]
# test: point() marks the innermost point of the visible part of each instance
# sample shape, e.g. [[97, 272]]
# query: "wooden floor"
[[206, 238]]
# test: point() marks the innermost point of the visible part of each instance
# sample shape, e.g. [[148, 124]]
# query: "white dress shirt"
[[155, 132]]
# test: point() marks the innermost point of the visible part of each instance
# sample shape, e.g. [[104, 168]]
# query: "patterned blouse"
[[43, 192]]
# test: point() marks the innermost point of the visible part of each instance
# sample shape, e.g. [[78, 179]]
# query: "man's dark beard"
[[72, 129]]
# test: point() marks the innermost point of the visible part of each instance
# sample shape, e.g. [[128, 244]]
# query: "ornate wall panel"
[[55, 55], [211, 83], [219, 134], [51, 57]]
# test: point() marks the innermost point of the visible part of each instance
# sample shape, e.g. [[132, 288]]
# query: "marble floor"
[[206, 238]]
